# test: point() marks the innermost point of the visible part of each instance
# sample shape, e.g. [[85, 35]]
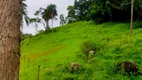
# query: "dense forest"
[[104, 10]]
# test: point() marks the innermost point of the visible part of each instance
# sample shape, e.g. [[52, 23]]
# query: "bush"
[[137, 25], [87, 46]]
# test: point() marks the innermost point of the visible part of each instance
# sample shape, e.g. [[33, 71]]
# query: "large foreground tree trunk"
[[9, 39]]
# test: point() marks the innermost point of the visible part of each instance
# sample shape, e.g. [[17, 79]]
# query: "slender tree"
[[52, 16], [45, 17], [52, 12], [35, 22], [9, 39], [131, 24], [62, 20]]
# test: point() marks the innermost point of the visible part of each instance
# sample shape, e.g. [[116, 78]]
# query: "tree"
[[131, 24], [106, 10], [81, 9], [35, 22], [24, 12], [62, 20], [9, 39], [71, 14], [52, 12], [47, 14]]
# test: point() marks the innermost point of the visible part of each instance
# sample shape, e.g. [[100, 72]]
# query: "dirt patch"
[[50, 51]]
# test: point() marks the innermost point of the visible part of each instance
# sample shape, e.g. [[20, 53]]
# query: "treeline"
[[97, 10], [104, 10]]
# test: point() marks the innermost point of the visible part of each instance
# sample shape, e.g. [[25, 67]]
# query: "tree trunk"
[[131, 23], [52, 23], [47, 26], [52, 18], [9, 39]]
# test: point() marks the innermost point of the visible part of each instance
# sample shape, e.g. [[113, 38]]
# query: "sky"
[[34, 5]]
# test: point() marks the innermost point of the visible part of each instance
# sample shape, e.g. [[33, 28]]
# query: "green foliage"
[[88, 46], [62, 20], [55, 52], [81, 8], [71, 14], [24, 12], [137, 25], [25, 36], [106, 10]]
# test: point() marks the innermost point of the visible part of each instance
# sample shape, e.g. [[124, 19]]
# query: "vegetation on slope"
[[104, 10], [55, 52]]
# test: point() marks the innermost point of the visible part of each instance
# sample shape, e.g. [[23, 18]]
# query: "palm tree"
[[47, 14], [24, 13], [35, 22], [52, 12], [9, 39]]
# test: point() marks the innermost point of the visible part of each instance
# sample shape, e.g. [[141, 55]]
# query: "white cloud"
[[34, 5]]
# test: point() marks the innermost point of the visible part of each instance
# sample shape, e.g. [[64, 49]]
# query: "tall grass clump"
[[87, 46]]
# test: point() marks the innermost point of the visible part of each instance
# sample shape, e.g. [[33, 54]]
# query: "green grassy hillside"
[[55, 52]]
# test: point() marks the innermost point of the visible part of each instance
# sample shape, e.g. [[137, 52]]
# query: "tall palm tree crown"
[[47, 13]]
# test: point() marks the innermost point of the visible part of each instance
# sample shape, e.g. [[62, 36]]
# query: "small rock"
[[75, 66], [91, 52]]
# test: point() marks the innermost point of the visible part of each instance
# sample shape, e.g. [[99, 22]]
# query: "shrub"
[[137, 25], [87, 46]]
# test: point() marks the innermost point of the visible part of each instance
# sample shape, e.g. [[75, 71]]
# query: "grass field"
[[54, 52]]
